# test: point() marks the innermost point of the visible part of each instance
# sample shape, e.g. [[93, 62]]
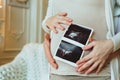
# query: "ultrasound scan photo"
[[69, 51], [78, 34]]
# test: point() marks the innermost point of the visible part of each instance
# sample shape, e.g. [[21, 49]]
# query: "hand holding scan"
[[48, 52], [56, 21], [96, 59]]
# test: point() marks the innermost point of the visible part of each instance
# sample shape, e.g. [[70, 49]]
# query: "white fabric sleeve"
[[109, 19], [116, 41], [48, 14], [116, 38]]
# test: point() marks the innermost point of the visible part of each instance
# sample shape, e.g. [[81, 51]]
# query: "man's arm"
[[48, 54]]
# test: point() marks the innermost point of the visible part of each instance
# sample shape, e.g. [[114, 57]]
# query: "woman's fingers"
[[54, 29], [89, 46], [48, 52], [79, 66], [55, 22], [59, 26], [96, 59], [93, 67], [85, 59], [86, 65], [64, 20], [62, 14], [100, 67]]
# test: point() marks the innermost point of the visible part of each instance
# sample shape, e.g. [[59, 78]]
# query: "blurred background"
[[20, 23]]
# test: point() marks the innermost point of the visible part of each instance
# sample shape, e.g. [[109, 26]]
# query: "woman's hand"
[[49, 56], [96, 59], [56, 21]]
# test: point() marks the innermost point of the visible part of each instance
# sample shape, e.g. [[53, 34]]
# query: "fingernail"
[[77, 63], [69, 23], [56, 66], [63, 29], [86, 73], [82, 72], [76, 70], [70, 20], [97, 73], [79, 70], [84, 47], [56, 32]]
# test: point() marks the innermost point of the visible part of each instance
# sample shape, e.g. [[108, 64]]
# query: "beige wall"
[[41, 11], [1, 12], [2, 19], [14, 31], [21, 26]]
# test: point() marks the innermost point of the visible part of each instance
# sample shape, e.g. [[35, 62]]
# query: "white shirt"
[[83, 12], [109, 8]]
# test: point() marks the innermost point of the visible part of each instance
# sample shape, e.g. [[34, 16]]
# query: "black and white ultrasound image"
[[69, 51], [78, 34]]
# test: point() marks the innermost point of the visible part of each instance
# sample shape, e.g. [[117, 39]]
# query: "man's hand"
[[48, 51]]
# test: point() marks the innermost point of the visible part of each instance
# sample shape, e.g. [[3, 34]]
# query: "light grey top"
[[89, 13]]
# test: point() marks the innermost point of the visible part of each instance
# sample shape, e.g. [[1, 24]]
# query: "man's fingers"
[[47, 37], [47, 50], [48, 53], [50, 57], [54, 64]]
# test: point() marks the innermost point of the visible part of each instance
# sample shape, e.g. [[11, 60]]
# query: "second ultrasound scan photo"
[[69, 51]]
